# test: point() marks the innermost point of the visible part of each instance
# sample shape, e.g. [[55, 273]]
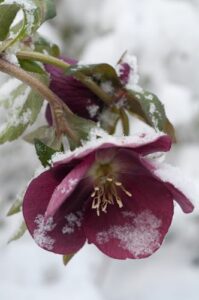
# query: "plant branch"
[[85, 80], [57, 105]]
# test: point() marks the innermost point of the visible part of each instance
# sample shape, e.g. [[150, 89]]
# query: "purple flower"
[[109, 192], [79, 98]]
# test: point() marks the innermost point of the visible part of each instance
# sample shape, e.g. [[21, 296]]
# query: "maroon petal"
[[78, 97], [141, 144], [175, 182], [62, 233], [67, 186], [138, 228]]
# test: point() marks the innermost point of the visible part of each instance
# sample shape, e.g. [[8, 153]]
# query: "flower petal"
[[140, 144], [61, 234], [67, 186], [176, 183], [138, 228], [78, 97]]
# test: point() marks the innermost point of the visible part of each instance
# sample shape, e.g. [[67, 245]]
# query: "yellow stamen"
[[106, 192]]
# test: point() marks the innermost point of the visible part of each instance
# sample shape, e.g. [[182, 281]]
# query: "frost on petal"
[[180, 186], [42, 228], [138, 228], [40, 234], [139, 235], [143, 144], [73, 222]]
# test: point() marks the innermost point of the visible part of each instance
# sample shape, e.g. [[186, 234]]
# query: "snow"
[[99, 137], [73, 221], [40, 234], [139, 235], [169, 173], [107, 87], [92, 109]]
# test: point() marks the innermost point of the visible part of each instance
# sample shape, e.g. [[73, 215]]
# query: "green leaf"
[[81, 127], [100, 73], [67, 258], [42, 45], [15, 207], [44, 152], [19, 233], [31, 66], [148, 106], [35, 12], [7, 15], [21, 115], [46, 135]]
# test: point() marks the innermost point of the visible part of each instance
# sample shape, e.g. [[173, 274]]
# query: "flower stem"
[[85, 80], [47, 59], [58, 107], [125, 121]]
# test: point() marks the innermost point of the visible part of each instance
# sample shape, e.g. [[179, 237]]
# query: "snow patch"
[[92, 110], [174, 175], [98, 137], [40, 234], [74, 220], [107, 87], [139, 235]]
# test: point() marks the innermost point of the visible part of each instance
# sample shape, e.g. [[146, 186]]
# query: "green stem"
[[85, 80], [125, 121], [46, 59], [59, 108]]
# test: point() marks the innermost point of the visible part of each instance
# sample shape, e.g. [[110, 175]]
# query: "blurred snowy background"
[[164, 35]]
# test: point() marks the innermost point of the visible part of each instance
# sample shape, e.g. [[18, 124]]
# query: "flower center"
[[106, 192]]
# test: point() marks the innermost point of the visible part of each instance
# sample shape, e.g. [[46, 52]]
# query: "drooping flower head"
[[108, 192], [80, 99]]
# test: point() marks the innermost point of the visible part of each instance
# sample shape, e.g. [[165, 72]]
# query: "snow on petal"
[[40, 234], [140, 235], [180, 186]]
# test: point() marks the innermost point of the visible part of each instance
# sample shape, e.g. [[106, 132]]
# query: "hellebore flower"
[[79, 98], [109, 192]]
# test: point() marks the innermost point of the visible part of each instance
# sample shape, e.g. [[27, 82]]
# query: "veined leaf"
[[19, 233], [7, 15], [23, 113], [149, 107], [35, 12], [46, 135], [100, 73], [44, 152]]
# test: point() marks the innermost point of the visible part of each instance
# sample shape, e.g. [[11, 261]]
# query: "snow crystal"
[[40, 234], [149, 97], [152, 108], [71, 183], [107, 87], [73, 220], [92, 109], [139, 235]]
